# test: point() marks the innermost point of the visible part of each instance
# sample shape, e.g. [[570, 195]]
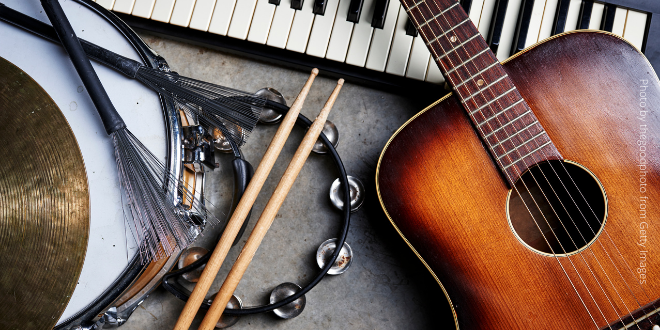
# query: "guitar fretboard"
[[500, 115]]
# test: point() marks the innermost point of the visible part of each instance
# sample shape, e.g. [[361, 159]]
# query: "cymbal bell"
[[44, 205]]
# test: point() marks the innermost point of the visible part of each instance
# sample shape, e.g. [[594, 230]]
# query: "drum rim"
[[173, 162]]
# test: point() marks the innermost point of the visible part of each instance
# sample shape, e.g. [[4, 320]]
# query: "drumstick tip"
[[340, 82], [315, 71]]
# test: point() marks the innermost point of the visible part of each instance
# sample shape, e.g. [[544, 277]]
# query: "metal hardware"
[[356, 189], [291, 309], [343, 261]]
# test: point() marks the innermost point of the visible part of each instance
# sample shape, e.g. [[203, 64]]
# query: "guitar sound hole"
[[557, 208]]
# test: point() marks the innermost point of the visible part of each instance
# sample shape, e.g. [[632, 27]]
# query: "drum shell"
[[154, 122]]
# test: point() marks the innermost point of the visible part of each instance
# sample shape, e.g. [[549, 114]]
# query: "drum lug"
[[198, 148], [111, 319], [162, 64]]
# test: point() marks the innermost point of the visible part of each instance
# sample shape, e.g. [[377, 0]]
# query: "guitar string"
[[600, 285], [536, 203], [450, 78], [571, 220], [610, 257], [600, 243]]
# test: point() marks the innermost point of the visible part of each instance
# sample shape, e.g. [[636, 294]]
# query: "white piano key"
[[635, 27], [143, 8], [279, 29], [418, 60], [224, 9], [398, 60], [107, 4], [162, 10], [263, 16], [548, 19], [619, 25], [301, 27], [202, 13], [240, 21], [475, 11], [433, 74], [361, 38], [535, 22], [573, 15], [123, 6], [341, 34], [486, 17], [182, 12], [382, 40], [321, 31], [508, 29], [596, 16]]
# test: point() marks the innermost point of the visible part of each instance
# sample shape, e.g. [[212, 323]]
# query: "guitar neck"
[[505, 122]]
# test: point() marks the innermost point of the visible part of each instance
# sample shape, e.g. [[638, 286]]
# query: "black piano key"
[[274, 2], [297, 4], [466, 5], [380, 12], [410, 28], [607, 24], [560, 17], [495, 33], [522, 27], [319, 7], [354, 11], [585, 14]]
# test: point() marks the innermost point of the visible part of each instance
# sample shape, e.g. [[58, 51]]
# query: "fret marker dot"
[[453, 39], [480, 82]]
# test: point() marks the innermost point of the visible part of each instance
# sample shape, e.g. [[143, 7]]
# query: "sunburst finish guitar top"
[[563, 242]]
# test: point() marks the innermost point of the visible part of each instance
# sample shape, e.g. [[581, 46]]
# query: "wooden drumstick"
[[268, 215], [242, 209]]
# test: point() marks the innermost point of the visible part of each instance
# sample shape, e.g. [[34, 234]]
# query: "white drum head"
[[111, 244]]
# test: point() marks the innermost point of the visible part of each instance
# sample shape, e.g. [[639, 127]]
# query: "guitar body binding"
[[598, 98]]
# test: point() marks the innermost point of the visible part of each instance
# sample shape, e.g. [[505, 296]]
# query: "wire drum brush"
[[158, 225], [211, 104]]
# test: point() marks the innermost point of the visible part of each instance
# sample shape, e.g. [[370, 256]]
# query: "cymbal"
[[44, 205]]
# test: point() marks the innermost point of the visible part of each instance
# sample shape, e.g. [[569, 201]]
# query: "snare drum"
[[112, 280]]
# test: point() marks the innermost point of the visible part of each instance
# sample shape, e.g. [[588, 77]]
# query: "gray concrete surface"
[[386, 287]]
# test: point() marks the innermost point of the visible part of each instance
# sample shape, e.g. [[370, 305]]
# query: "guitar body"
[[442, 191]]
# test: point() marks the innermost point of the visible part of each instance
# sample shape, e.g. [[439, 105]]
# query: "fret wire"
[[438, 15], [520, 145], [445, 33], [453, 49], [531, 152], [501, 112], [515, 134], [475, 75], [467, 61], [493, 100], [510, 122], [416, 4], [483, 89], [444, 55]]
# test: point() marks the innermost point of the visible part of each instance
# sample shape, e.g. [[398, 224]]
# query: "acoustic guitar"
[[531, 192]]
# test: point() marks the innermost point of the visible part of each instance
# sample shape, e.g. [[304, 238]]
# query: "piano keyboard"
[[376, 34]]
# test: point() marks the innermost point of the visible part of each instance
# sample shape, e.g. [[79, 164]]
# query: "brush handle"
[[268, 215], [113, 60], [244, 206], [112, 121]]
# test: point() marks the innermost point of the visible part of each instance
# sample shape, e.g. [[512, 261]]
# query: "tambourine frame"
[[169, 280]]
